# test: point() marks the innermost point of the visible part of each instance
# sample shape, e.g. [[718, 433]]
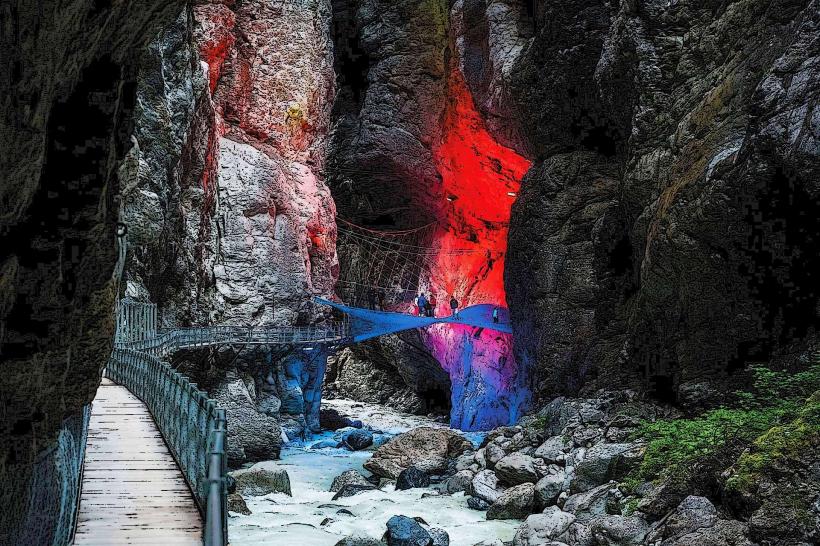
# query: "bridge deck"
[[132, 491]]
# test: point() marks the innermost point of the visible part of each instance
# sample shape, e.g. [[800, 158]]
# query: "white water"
[[283, 520]]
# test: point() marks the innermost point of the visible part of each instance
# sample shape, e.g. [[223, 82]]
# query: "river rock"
[[538, 529], [412, 477], [351, 489], [348, 477], [358, 439], [548, 488], [618, 530], [428, 449], [553, 449], [252, 436], [477, 503], [262, 479], [514, 503], [515, 469], [485, 486], [604, 462], [237, 504], [492, 454], [590, 504], [439, 536], [404, 531], [691, 514], [460, 481]]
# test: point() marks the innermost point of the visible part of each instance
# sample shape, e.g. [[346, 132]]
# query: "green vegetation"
[[774, 419], [779, 444]]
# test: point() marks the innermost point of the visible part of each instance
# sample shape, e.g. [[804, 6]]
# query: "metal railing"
[[193, 427], [168, 341]]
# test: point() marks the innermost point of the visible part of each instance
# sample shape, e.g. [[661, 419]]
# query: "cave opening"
[[662, 389]]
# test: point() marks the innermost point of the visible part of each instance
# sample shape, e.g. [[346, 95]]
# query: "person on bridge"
[[454, 305], [371, 298], [421, 303], [495, 315], [382, 297], [433, 303]]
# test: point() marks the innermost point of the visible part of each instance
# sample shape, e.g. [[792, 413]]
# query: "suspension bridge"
[[155, 461]]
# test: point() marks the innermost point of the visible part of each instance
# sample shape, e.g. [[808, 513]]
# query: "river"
[[297, 520]]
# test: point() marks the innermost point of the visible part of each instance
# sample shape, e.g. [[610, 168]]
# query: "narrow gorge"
[[468, 272]]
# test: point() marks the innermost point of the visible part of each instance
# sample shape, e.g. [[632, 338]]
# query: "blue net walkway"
[[368, 323]]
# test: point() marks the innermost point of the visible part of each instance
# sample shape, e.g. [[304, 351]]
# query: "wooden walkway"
[[132, 492]]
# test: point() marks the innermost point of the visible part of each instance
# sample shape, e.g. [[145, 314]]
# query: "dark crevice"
[[351, 62]]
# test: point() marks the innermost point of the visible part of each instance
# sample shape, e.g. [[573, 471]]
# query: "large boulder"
[[252, 435], [593, 503], [331, 419], [550, 486], [604, 462], [348, 477], [485, 486], [692, 513], [553, 449], [514, 503], [618, 530], [261, 479], [404, 531], [516, 468], [538, 529], [412, 477], [428, 449], [460, 481], [722, 533]]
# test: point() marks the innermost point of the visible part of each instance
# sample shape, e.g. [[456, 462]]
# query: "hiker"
[[454, 305], [433, 305], [421, 303], [371, 299], [495, 315]]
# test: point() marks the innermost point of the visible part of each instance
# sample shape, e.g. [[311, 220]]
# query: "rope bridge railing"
[[193, 427]]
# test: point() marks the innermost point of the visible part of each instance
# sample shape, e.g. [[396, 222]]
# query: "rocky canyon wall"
[[666, 236], [67, 105], [232, 221], [421, 135]]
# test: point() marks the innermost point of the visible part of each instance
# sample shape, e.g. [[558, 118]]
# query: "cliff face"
[[67, 93], [667, 235], [232, 221], [421, 136]]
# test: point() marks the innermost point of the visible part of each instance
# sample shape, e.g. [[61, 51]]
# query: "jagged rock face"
[[436, 160], [232, 223], [666, 237], [169, 199], [66, 101]]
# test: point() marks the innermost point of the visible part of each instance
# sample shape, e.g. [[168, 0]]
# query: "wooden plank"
[[133, 492]]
